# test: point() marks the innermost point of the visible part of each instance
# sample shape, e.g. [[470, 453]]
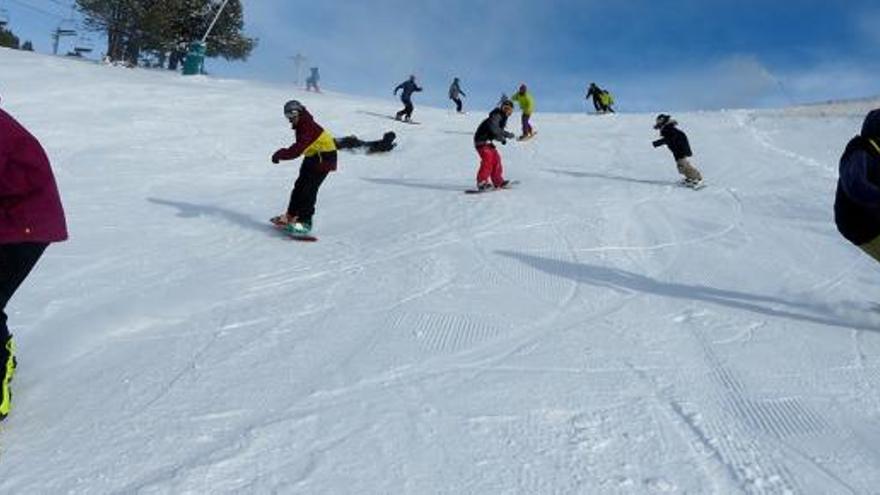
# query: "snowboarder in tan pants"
[[678, 144]]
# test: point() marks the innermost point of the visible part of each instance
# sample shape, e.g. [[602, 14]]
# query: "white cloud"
[[743, 81]]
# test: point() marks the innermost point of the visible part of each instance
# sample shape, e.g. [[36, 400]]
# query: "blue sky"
[[653, 55]]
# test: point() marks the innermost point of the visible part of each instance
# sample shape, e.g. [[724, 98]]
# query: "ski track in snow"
[[597, 329]]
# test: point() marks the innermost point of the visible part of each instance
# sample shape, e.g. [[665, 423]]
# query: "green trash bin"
[[195, 59]]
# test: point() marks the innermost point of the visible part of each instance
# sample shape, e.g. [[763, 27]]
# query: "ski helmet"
[[522, 88], [661, 121], [292, 109]]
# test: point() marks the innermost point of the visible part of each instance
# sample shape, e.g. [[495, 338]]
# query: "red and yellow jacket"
[[312, 142]]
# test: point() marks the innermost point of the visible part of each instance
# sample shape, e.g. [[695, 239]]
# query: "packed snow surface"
[[596, 329]]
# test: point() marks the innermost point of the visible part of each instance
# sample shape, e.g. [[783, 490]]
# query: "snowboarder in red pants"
[[492, 129]]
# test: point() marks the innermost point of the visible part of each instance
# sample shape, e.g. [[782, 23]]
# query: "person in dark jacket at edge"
[[492, 129], [455, 94], [857, 203], [678, 144], [319, 149], [407, 88], [31, 217]]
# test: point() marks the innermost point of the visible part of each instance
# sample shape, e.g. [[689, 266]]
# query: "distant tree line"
[[10, 40], [160, 30]]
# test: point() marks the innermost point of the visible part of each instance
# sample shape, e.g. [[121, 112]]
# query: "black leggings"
[[16, 262], [407, 110], [457, 104], [305, 189]]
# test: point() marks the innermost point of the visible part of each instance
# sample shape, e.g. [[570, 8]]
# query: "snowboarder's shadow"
[[376, 114], [192, 210], [594, 175], [624, 281], [414, 184]]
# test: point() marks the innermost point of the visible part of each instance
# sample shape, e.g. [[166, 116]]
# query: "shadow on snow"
[[622, 280], [192, 210], [416, 184], [593, 175]]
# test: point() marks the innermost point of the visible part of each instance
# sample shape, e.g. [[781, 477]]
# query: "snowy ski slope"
[[597, 329]]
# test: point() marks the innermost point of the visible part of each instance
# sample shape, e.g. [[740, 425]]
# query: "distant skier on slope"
[[319, 150], [492, 129], [678, 144], [312, 80], [527, 105], [857, 202], [407, 88], [31, 217], [602, 99], [455, 94]]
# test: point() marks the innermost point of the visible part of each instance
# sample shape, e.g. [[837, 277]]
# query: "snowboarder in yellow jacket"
[[527, 105]]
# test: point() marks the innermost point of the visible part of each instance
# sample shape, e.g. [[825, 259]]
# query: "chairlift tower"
[[298, 60], [65, 29]]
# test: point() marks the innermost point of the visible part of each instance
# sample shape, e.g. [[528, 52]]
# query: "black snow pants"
[[305, 189], [407, 110], [16, 262]]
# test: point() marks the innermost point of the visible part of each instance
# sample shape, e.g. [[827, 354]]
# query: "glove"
[[504, 141], [276, 157]]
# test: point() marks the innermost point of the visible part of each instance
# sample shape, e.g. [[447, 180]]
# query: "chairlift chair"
[[84, 45]]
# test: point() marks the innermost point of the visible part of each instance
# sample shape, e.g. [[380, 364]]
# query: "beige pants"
[[872, 248], [689, 171]]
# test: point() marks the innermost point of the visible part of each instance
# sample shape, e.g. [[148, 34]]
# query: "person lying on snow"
[[354, 143]]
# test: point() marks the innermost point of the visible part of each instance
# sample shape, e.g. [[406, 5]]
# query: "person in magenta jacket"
[[31, 217]]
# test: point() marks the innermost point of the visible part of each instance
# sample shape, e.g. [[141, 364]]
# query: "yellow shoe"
[[7, 369]]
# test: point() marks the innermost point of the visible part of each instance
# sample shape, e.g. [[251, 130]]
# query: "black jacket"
[[857, 202], [492, 129], [455, 90], [676, 140], [409, 87]]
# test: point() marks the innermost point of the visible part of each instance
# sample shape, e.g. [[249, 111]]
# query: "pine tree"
[[7, 39], [163, 27]]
